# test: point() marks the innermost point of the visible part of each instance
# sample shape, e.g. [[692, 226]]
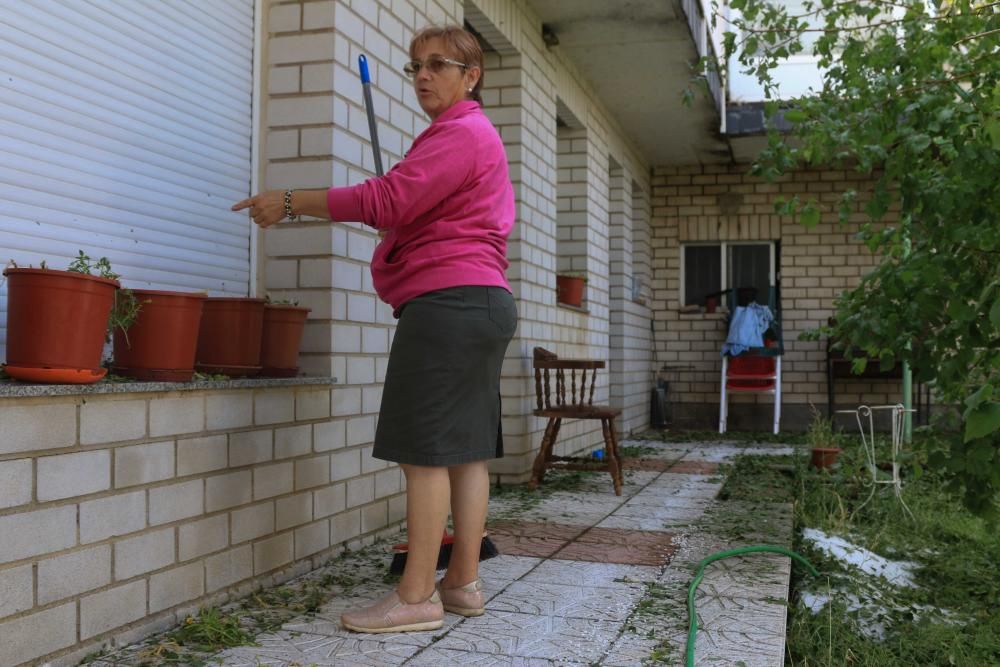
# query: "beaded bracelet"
[[288, 204]]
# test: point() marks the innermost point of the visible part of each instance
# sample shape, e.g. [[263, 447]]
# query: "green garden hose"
[[700, 574]]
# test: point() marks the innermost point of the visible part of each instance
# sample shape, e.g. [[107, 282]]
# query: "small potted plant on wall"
[[284, 322], [160, 345], [570, 287], [229, 336], [58, 321]]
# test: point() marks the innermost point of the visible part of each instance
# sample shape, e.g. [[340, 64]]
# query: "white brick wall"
[[229, 567], [68, 475], [124, 529], [144, 553], [172, 416], [73, 573], [181, 584], [112, 421], [812, 277], [252, 522], [17, 585], [229, 410], [33, 426], [176, 502], [198, 455], [143, 464], [112, 608], [202, 537], [228, 490], [34, 635], [34, 533], [15, 482]]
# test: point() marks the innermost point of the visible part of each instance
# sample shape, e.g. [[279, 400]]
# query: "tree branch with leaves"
[[911, 98]]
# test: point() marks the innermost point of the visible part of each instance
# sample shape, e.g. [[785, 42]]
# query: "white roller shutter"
[[125, 131]]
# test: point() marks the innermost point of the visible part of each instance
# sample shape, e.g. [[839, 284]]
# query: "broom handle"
[[366, 86]]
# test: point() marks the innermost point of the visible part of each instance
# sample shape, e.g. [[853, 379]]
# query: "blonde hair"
[[463, 46]]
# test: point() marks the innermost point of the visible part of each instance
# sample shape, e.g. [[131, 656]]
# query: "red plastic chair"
[[750, 373]]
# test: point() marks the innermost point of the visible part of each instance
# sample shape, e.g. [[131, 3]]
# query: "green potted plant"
[[58, 321], [822, 441], [284, 322], [570, 287]]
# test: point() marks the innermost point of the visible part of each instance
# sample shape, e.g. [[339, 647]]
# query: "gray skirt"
[[441, 398]]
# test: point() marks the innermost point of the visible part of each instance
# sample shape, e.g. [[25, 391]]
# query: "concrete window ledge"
[[16, 389]]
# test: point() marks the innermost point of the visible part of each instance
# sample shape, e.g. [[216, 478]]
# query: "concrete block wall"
[[548, 85], [816, 265], [630, 336], [122, 513], [572, 217]]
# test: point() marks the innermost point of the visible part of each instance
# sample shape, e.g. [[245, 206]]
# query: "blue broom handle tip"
[[363, 64]]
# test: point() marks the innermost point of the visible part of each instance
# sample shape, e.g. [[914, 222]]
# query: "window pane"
[[702, 272], [750, 272]]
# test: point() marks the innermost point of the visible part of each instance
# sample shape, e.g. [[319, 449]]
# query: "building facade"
[[123, 508]]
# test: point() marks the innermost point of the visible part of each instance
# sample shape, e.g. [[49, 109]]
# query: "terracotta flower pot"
[[824, 457], [56, 325], [282, 336], [161, 344], [229, 336], [569, 290]]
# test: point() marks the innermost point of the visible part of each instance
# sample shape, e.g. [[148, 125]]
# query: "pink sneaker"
[[465, 600], [391, 614]]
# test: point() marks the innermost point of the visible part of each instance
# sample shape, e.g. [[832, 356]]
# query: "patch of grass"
[[636, 451], [520, 499], [657, 607], [770, 478], [952, 617], [209, 631], [956, 553], [96, 655]]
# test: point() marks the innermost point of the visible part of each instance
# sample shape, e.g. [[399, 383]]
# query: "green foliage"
[[126, 306], [210, 631], [83, 264], [955, 553], [760, 478], [821, 433], [280, 302], [910, 99]]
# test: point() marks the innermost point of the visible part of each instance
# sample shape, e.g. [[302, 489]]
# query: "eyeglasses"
[[434, 64]]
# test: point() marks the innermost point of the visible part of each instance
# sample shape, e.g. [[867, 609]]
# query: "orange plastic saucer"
[[55, 375]]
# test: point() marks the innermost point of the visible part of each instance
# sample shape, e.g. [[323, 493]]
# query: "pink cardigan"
[[448, 208]]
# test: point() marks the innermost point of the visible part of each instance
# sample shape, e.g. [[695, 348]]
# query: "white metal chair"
[[750, 373]]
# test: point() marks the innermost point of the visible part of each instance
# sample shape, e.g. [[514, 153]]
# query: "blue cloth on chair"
[[746, 329]]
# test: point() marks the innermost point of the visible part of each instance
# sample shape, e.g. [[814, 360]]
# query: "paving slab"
[[556, 638], [584, 578]]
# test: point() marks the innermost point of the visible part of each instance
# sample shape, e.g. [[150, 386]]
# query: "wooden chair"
[[554, 403]]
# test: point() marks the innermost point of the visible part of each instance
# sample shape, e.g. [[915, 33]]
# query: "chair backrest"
[[550, 381], [751, 371]]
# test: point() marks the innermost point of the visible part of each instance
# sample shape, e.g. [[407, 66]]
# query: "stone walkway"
[[585, 578]]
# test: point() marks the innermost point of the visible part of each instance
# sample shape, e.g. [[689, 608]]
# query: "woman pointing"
[[446, 209]]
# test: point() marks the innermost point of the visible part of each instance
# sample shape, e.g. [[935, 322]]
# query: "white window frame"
[[724, 247]]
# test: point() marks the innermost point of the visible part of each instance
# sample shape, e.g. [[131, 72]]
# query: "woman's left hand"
[[266, 208]]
